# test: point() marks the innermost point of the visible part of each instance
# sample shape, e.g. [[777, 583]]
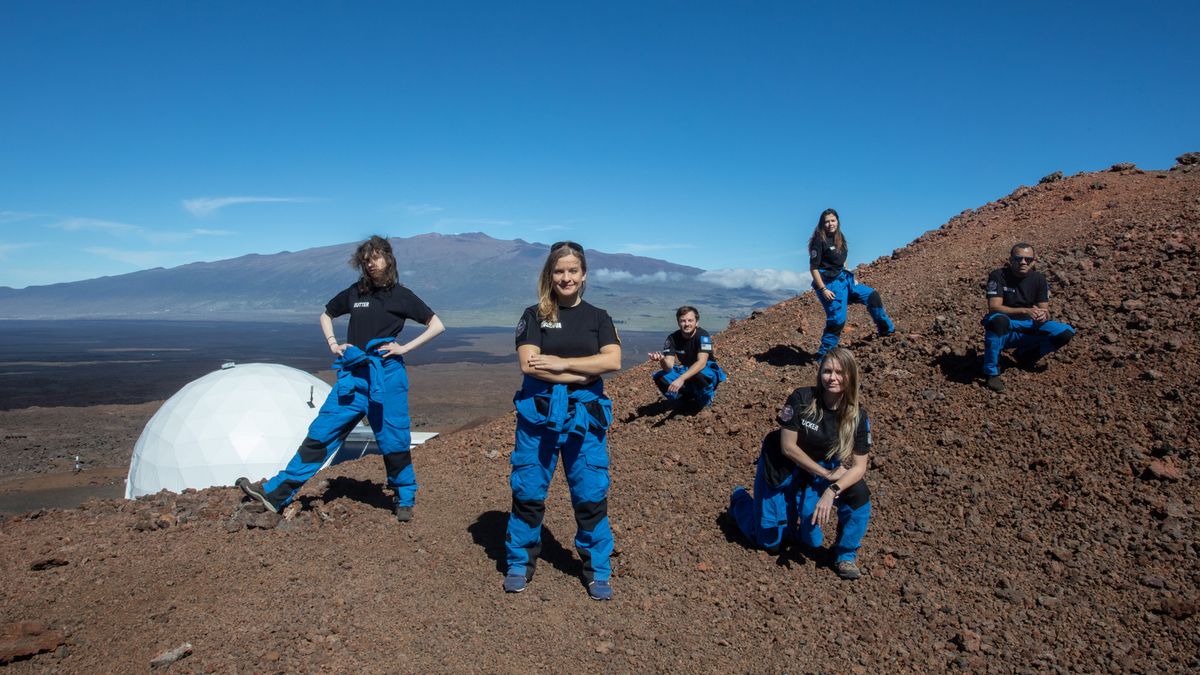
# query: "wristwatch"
[[837, 489]]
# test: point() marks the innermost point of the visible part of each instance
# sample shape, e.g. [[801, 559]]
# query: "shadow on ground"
[[364, 491], [786, 355], [488, 532]]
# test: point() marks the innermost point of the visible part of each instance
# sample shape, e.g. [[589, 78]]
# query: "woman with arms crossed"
[[564, 345]]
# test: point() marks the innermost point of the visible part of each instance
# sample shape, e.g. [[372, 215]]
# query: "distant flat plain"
[[87, 387]]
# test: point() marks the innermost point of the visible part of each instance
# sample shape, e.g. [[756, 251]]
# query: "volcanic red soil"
[[1052, 527]]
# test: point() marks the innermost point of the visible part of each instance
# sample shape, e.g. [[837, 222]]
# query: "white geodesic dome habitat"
[[242, 420]]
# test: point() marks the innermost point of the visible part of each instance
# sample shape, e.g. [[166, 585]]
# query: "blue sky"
[[142, 134]]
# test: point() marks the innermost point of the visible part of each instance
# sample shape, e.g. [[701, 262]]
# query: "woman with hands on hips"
[[371, 380]]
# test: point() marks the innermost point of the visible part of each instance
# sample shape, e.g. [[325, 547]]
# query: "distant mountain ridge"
[[468, 279]]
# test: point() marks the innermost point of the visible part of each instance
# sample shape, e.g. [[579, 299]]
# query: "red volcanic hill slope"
[[1050, 527]]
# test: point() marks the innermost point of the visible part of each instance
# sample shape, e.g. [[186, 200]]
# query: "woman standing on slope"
[[835, 286], [371, 380], [814, 464], [564, 345]]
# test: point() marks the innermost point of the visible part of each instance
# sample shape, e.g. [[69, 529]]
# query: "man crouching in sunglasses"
[[1019, 316]]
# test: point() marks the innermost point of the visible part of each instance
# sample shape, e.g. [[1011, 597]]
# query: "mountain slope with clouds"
[[469, 279]]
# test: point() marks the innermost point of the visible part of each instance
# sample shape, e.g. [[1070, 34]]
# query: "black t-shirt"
[[580, 331], [825, 257], [1018, 292], [380, 313], [817, 438], [687, 350]]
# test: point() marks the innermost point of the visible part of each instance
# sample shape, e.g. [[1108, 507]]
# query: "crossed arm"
[[573, 370]]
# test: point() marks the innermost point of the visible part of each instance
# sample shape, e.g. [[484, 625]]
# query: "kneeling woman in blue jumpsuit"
[[371, 380], [564, 345], [835, 286], [814, 464]]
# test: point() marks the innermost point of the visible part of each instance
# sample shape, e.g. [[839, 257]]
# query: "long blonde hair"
[[547, 303], [847, 412]]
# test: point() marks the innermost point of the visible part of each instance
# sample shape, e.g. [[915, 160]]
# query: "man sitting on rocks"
[[1019, 316], [689, 367]]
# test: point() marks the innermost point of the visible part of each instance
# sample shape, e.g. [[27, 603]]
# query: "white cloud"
[[96, 225], [604, 275], [6, 249], [139, 259], [201, 207], [17, 216], [552, 228], [117, 229], [760, 279], [649, 248], [422, 209]]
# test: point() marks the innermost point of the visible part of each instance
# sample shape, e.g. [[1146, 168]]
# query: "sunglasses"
[[1022, 258], [568, 244]]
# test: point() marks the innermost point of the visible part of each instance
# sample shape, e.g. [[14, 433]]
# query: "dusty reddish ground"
[[1052, 527]]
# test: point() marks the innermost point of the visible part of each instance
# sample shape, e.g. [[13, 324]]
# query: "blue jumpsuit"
[[785, 496], [1031, 340], [555, 419], [366, 385], [567, 420], [701, 387], [845, 291], [825, 258]]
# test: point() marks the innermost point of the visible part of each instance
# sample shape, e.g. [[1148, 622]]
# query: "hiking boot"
[[847, 569], [404, 513], [600, 590], [255, 492], [995, 383], [514, 583]]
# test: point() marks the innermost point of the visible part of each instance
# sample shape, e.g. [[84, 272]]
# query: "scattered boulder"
[[171, 656], [1051, 178], [23, 639]]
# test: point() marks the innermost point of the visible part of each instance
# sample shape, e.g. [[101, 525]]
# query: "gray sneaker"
[[847, 569], [404, 513], [255, 492], [995, 383]]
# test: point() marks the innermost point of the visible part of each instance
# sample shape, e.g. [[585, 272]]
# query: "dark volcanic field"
[[98, 362], [1052, 527]]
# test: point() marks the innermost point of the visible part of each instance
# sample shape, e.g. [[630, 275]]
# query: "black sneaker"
[[255, 492], [404, 513], [995, 383]]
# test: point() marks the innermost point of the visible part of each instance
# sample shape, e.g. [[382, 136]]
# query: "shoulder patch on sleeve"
[[786, 414], [521, 326], [993, 287]]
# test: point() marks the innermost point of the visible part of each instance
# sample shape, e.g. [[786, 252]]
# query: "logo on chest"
[[551, 324], [362, 303], [809, 425]]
